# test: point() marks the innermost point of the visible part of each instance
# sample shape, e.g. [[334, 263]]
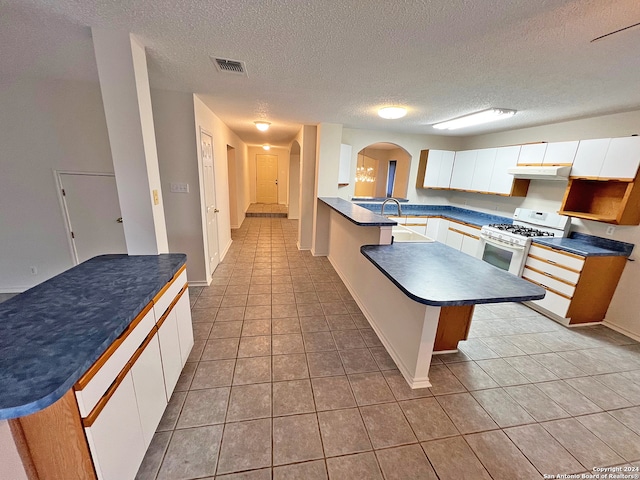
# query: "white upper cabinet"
[[560, 153], [434, 164], [439, 167], [590, 157], [501, 181], [463, 167], [344, 171], [532, 154], [622, 158], [446, 168], [485, 160]]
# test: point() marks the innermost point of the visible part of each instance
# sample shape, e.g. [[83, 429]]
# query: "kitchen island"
[[88, 361], [418, 297]]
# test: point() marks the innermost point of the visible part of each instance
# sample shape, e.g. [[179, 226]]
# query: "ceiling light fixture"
[[266, 147], [484, 116], [262, 126], [392, 113]]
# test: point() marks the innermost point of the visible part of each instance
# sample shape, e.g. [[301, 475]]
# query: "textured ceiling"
[[312, 61]]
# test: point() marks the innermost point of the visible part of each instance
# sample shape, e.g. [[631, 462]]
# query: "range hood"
[[540, 172]]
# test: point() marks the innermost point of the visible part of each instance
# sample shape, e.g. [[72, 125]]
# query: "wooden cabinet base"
[[52, 444], [453, 326]]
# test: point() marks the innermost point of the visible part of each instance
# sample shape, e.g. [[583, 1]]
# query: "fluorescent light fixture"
[[262, 126], [266, 147], [392, 113], [484, 116]]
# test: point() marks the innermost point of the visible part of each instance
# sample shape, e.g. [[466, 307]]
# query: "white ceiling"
[[338, 61]]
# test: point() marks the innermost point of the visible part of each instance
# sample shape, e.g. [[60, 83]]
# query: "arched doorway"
[[382, 170]]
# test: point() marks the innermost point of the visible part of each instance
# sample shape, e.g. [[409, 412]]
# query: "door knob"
[[215, 210], [119, 220]]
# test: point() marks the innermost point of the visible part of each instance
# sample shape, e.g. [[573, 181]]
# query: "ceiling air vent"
[[225, 65]]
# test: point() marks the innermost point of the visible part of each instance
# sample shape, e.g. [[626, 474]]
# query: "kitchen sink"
[[403, 234]]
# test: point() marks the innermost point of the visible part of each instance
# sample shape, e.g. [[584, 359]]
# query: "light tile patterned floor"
[[288, 381]]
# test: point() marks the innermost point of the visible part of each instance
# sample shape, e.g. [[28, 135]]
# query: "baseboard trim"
[[199, 283], [621, 330], [226, 250]]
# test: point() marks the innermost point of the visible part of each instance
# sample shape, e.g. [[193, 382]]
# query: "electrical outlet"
[[610, 230], [180, 188], [34, 270]]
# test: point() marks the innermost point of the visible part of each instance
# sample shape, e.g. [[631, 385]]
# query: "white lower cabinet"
[[148, 382], [170, 352], [115, 438], [454, 239], [185, 326], [469, 245]]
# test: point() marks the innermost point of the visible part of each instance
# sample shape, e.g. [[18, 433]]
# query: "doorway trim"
[[203, 201], [63, 205]]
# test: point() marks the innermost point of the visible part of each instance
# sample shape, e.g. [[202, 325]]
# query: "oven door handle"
[[500, 243]]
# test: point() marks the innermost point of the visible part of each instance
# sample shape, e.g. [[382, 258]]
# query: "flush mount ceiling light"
[[262, 126], [392, 113], [266, 147], [484, 116]]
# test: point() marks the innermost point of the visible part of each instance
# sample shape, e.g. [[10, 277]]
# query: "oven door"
[[503, 255]]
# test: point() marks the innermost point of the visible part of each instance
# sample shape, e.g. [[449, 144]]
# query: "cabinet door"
[[501, 181], [185, 327], [446, 167], [432, 228], [469, 245], [622, 158], [590, 157], [463, 167], [115, 439], [454, 239], [434, 163], [148, 382], [483, 169], [170, 352], [560, 153], [421, 229], [532, 154], [344, 171]]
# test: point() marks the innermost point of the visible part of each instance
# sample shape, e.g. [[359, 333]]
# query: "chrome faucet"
[[391, 200]]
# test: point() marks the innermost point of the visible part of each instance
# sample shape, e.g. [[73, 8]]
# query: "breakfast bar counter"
[[418, 297]]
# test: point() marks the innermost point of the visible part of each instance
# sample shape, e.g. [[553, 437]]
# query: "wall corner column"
[[124, 83]]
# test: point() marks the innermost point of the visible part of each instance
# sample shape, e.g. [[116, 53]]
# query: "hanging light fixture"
[[364, 173]]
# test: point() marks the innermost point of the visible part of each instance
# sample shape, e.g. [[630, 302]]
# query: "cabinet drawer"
[[552, 270], [554, 303], [464, 228], [553, 257], [162, 301], [92, 386], [416, 220], [548, 281]]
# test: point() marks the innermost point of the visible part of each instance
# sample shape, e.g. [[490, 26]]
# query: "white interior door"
[[267, 178], [93, 216], [210, 200]]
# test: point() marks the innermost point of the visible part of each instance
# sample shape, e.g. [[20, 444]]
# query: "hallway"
[[287, 381]]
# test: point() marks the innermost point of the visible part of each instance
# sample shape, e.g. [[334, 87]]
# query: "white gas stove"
[[506, 245]]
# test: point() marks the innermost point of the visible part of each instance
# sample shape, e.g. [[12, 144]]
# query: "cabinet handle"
[[544, 286], [547, 274], [551, 262]]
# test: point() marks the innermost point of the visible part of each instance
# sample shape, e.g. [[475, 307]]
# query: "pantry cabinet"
[[579, 289]]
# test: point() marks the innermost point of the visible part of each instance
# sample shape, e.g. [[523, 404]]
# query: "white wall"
[[173, 114], [44, 125], [548, 195], [294, 182], [10, 462], [222, 136], [306, 138]]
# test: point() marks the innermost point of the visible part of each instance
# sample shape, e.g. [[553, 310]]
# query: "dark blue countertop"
[[434, 274], [357, 214], [453, 213], [51, 334], [588, 245]]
